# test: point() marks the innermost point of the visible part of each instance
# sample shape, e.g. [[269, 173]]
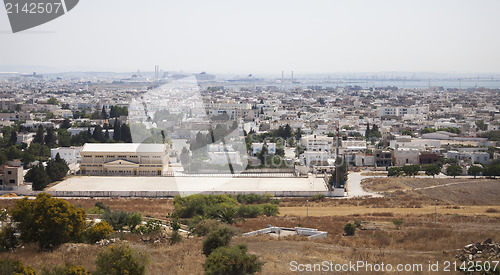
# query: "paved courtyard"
[[188, 184]]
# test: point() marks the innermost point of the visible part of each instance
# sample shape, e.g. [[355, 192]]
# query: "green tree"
[[262, 154], [50, 137], [66, 124], [298, 134], [38, 177], [133, 220], [104, 115], [13, 137], [232, 260], [126, 135], [492, 170], [57, 168], [48, 221], [97, 135], [98, 232], [27, 158], [219, 237], [39, 136], [8, 239], [454, 170], [270, 209], [13, 152], [394, 172], [411, 170], [117, 133], [407, 133], [475, 170], [3, 158], [350, 229], [432, 170], [53, 101], [120, 259], [481, 125]]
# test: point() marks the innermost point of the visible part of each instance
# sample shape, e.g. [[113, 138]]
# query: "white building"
[[315, 158], [402, 111], [317, 143], [361, 160], [124, 159], [408, 142], [25, 138], [469, 155], [404, 156], [69, 154]]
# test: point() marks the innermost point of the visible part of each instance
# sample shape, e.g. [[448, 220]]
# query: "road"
[[354, 188]]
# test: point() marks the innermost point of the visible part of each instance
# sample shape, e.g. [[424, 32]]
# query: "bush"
[[227, 215], [174, 237], [204, 227], [217, 238], [48, 221], [133, 220], [98, 232], [394, 172], [232, 260], [66, 269], [99, 208], [151, 226], [119, 259], [350, 229], [318, 197], [398, 223], [15, 267], [249, 211], [119, 219], [8, 239], [270, 209], [253, 198], [190, 206]]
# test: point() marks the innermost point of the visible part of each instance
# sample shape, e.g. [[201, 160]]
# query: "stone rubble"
[[485, 250]]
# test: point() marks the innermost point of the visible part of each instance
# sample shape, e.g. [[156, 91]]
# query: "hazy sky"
[[258, 36]]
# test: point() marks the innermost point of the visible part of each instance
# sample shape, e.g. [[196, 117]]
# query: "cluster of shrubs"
[[222, 258], [49, 222], [215, 206], [118, 258]]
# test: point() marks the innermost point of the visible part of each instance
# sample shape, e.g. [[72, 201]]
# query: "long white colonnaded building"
[[124, 159]]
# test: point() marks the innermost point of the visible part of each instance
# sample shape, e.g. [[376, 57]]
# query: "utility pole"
[[337, 172], [435, 214], [307, 213]]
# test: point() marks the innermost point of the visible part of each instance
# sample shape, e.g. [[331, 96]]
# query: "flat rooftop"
[[188, 184], [123, 148]]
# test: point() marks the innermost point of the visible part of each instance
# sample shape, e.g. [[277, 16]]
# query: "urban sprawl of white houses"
[[399, 115]]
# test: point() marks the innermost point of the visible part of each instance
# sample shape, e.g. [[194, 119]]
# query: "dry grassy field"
[[468, 211]]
